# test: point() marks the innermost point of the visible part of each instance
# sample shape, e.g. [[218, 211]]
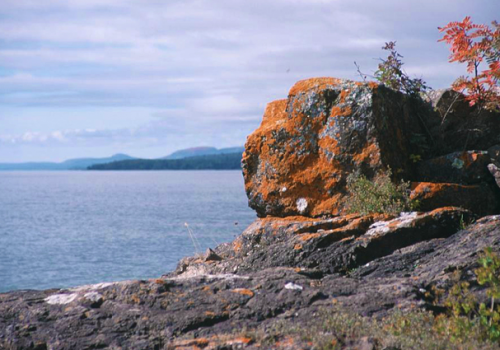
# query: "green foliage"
[[489, 275], [378, 196], [390, 73], [415, 158], [465, 313], [336, 328]]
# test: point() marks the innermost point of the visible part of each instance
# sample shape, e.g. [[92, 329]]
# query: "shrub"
[[378, 196], [390, 73], [465, 313], [476, 45]]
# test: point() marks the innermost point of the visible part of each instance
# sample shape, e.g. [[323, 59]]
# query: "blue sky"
[[97, 77]]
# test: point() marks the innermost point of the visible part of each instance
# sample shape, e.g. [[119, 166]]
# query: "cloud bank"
[[194, 72]]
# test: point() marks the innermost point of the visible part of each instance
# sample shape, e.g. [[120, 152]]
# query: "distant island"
[[223, 161], [70, 164], [216, 162], [203, 151]]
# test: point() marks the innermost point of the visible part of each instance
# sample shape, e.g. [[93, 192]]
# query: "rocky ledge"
[[304, 256]]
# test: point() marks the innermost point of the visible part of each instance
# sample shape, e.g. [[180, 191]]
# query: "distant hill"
[[224, 161], [202, 151], [70, 164], [85, 163]]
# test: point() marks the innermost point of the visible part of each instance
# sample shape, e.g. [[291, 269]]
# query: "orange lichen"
[[237, 245], [297, 153], [287, 342], [210, 314], [191, 344], [369, 154], [443, 209], [348, 227], [215, 341], [312, 84], [135, 299], [329, 205], [297, 246], [308, 236], [428, 190], [338, 111], [297, 218], [239, 340], [243, 291]]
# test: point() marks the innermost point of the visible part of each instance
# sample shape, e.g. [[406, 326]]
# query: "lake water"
[[62, 229]]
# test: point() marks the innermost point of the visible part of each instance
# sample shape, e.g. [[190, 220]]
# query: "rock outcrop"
[[456, 126], [303, 256], [278, 270], [297, 162]]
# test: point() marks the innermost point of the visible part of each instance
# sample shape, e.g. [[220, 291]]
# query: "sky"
[[90, 78]]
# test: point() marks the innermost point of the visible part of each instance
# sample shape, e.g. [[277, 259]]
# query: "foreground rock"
[[286, 269]]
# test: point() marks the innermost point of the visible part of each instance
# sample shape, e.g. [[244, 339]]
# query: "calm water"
[[61, 229]]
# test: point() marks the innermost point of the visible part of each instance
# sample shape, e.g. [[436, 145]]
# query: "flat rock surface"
[[370, 265]]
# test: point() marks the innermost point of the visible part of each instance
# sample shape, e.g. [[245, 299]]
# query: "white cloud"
[[209, 67]]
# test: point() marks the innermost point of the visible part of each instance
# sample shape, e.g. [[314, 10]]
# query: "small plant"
[[378, 196], [465, 313], [415, 158], [462, 224], [489, 275], [390, 73], [476, 45]]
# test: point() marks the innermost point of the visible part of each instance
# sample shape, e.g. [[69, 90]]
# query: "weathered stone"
[[209, 310], [494, 153], [297, 161], [480, 199], [469, 167], [447, 103], [210, 255], [326, 246], [456, 126], [92, 299], [495, 171]]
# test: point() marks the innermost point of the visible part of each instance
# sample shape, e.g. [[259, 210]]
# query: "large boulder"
[[298, 160]]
